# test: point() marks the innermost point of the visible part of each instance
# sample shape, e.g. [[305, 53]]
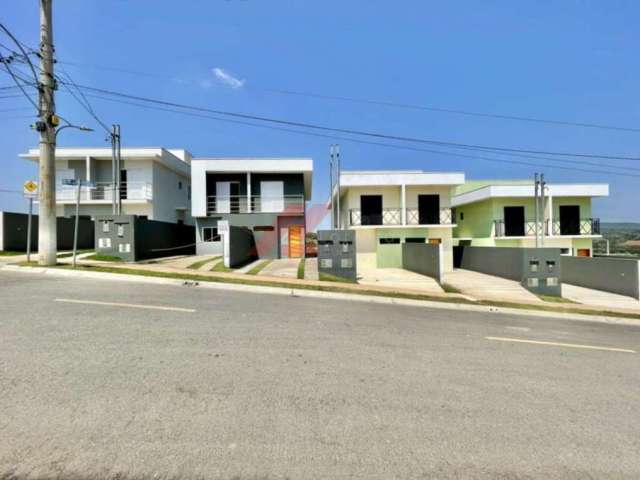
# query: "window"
[[189, 192], [179, 185], [263, 228], [565, 251], [210, 234], [461, 216], [415, 240], [389, 241]]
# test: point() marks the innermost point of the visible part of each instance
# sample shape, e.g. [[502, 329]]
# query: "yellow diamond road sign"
[[30, 187]]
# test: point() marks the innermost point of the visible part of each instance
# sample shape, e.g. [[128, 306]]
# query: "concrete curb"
[[122, 277]]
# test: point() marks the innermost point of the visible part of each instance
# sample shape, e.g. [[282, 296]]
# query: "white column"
[[550, 207], [88, 163], [403, 203], [248, 192]]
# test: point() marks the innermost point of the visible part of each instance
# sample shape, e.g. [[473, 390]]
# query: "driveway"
[[398, 278], [589, 296], [282, 267], [488, 287]]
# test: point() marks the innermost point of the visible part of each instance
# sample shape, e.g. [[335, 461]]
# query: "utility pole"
[[47, 238], [119, 169], [338, 186], [113, 170], [331, 186], [542, 209], [536, 208]]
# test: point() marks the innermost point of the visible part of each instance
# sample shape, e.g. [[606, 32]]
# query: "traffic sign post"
[[30, 189]]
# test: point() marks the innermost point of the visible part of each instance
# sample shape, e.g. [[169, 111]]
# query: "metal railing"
[[256, 204], [585, 226], [102, 191], [393, 216]]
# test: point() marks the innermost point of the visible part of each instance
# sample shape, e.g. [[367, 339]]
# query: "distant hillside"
[[620, 226]]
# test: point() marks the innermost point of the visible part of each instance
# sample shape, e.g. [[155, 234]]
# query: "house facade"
[[502, 213], [266, 196], [154, 182], [389, 208]]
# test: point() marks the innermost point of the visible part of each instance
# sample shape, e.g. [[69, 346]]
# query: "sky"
[[574, 61]]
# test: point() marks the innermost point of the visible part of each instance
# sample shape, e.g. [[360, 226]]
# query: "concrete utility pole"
[[118, 173], [338, 186], [47, 237], [536, 183], [542, 209], [331, 186], [113, 170]]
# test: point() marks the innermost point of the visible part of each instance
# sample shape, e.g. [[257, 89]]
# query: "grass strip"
[[552, 299], [201, 263], [327, 277], [338, 289], [99, 257], [447, 287], [219, 267], [8, 253], [301, 269], [258, 268]]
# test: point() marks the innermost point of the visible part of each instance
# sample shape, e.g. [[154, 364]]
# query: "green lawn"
[[450, 288], [258, 268], [552, 299], [98, 257], [197, 265], [4, 253], [327, 277], [301, 269], [219, 267]]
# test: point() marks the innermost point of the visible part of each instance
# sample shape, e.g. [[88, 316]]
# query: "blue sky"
[[571, 60]]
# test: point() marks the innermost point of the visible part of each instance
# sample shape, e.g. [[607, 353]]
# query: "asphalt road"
[[254, 386]]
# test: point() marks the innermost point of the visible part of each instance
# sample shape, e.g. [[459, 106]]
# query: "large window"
[[210, 234], [514, 221]]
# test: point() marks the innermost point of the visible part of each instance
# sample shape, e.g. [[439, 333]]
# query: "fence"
[[615, 275], [423, 258]]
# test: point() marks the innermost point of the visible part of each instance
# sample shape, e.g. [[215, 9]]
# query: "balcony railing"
[[291, 204], [105, 191], [393, 216], [584, 226]]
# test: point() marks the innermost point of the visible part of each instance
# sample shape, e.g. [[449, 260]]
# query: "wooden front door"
[[296, 241]]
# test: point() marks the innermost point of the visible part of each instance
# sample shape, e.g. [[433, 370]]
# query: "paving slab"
[[489, 287], [589, 296], [281, 267], [398, 278]]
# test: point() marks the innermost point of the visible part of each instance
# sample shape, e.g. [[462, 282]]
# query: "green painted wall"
[[583, 202], [390, 255], [474, 220]]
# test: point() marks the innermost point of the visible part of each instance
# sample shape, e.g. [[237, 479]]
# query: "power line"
[[352, 131], [86, 105], [348, 139], [383, 103]]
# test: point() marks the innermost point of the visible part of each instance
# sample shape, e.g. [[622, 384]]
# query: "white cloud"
[[228, 79]]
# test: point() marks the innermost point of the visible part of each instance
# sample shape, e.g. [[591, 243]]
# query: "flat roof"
[[371, 178], [303, 165], [523, 190]]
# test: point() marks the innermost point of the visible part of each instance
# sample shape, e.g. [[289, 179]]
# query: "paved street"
[[103, 379]]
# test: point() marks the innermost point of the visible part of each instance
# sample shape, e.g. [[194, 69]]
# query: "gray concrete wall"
[[423, 258], [14, 232], [337, 253], [133, 238], [502, 262], [242, 246], [615, 275], [537, 269]]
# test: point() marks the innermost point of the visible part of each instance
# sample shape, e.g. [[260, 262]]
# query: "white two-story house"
[[154, 182], [388, 208]]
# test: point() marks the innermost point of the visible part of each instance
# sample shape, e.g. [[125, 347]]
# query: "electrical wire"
[[409, 106], [348, 139], [86, 104], [350, 131]]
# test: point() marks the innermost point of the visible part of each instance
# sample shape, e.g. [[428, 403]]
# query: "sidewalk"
[[160, 270]]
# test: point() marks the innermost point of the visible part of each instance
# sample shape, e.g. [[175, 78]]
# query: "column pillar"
[[403, 203], [248, 192]]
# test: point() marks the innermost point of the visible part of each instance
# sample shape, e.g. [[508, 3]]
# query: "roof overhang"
[[525, 191], [159, 154], [302, 166], [391, 178]]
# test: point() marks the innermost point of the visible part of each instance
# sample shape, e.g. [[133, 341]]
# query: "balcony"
[[287, 204], [103, 192], [583, 226], [393, 216]]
